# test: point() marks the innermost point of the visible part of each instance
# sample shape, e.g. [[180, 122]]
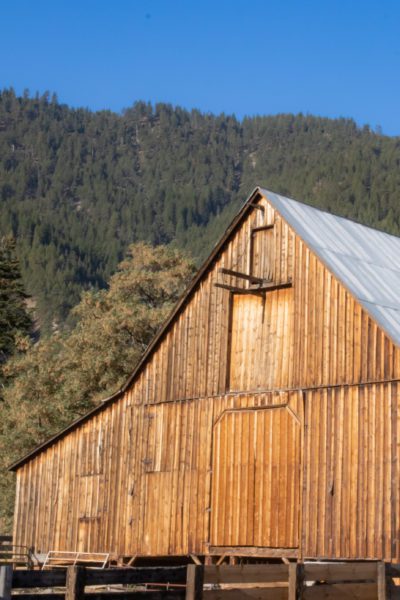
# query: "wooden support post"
[[75, 584], [389, 580], [300, 580], [6, 573], [381, 580], [194, 582], [292, 581]]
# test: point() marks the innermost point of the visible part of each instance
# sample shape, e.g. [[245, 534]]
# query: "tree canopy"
[[15, 320]]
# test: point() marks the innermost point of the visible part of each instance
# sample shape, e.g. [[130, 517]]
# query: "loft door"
[[260, 341], [256, 478]]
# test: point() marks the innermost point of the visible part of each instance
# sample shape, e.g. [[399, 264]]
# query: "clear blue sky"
[[332, 58]]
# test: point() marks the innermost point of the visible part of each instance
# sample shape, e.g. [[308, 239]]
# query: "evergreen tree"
[[15, 320], [77, 187]]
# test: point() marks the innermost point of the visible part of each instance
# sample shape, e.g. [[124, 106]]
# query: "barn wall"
[[351, 491], [159, 500], [153, 494], [325, 336], [137, 477]]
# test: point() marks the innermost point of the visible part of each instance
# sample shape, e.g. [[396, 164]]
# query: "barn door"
[[256, 478], [89, 521]]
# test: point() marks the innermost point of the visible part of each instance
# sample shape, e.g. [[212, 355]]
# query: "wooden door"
[[89, 520], [88, 534], [260, 349], [256, 478]]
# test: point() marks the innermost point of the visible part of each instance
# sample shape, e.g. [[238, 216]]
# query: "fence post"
[[194, 582], [75, 584], [292, 580], [6, 573], [300, 580], [381, 580]]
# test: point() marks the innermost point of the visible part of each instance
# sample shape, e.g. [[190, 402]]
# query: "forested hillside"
[[77, 187]]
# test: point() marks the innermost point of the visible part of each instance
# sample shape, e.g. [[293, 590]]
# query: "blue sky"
[[331, 58]]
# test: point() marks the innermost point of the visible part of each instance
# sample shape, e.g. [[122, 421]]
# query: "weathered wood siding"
[[256, 465], [351, 494], [142, 476]]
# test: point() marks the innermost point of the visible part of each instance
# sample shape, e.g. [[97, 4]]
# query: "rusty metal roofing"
[[365, 260]]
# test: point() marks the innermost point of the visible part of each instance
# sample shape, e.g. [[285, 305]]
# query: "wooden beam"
[[255, 551], [270, 287], [340, 571], [246, 574], [262, 228], [381, 580], [6, 573], [194, 582], [136, 575], [125, 595], [195, 559], [245, 276], [75, 584], [232, 288], [32, 578], [300, 579], [267, 287], [292, 592]]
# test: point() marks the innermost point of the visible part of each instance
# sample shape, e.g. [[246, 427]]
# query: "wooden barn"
[[263, 418]]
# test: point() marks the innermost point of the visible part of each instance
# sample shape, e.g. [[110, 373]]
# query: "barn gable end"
[[239, 385]]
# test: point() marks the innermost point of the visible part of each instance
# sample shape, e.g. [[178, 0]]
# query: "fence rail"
[[13, 554], [293, 581]]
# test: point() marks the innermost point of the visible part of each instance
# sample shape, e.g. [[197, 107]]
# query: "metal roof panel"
[[365, 260]]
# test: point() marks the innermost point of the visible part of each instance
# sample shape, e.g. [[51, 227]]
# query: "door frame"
[[296, 410]]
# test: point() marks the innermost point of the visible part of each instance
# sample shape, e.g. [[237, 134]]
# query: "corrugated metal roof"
[[365, 260]]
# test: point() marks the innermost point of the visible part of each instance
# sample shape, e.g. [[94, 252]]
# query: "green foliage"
[[61, 377], [15, 320], [76, 187]]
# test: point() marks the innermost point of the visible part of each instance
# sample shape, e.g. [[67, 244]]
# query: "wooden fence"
[[293, 581], [12, 554]]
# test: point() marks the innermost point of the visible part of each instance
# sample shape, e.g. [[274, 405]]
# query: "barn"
[[261, 422]]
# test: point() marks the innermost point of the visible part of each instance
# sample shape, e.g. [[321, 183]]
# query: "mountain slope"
[[76, 187]]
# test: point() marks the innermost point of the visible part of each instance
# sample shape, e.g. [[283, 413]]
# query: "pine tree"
[[15, 320]]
